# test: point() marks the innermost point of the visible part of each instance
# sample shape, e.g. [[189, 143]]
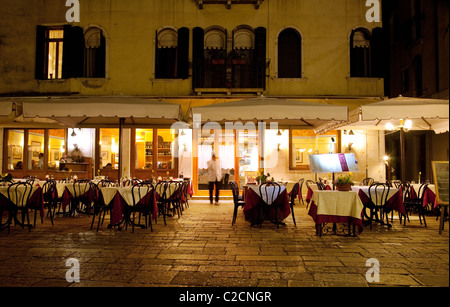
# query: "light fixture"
[[73, 133], [404, 125], [350, 138], [279, 134]]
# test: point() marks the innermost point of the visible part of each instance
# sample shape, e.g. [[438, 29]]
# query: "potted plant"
[[262, 178], [344, 183]]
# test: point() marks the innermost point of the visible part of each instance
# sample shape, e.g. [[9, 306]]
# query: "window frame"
[[307, 167]]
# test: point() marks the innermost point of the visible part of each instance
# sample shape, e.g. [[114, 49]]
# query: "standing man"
[[214, 178]]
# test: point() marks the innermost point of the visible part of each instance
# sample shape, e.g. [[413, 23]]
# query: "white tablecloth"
[[272, 192], [337, 203], [379, 199], [126, 193], [20, 192]]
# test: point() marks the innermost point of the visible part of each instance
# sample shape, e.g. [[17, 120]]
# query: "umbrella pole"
[[121, 122], [402, 154]]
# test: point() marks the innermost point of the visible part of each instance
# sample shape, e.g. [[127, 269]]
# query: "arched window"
[[172, 53], [289, 54], [94, 53], [360, 58]]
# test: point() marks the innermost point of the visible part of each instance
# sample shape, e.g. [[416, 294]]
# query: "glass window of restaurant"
[[155, 153], [305, 142], [30, 145], [36, 149], [14, 149], [109, 149], [56, 147]]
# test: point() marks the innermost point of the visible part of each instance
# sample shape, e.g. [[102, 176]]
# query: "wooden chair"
[[293, 195], [368, 181], [237, 199]]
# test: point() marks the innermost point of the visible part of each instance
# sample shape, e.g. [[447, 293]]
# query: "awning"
[[287, 113], [425, 114], [6, 110], [91, 112]]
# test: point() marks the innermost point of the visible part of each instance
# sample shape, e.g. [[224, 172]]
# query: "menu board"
[[333, 163], [440, 175]]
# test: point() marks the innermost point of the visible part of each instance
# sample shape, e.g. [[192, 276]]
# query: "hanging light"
[[405, 125]]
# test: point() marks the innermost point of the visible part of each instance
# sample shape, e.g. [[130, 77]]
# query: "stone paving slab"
[[203, 249]]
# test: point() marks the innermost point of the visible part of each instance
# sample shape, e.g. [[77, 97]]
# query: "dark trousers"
[[211, 189]]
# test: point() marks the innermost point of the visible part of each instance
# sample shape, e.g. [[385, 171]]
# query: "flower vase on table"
[[344, 183]]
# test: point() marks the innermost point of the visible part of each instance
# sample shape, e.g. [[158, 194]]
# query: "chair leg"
[[92, 223], [234, 214], [293, 216]]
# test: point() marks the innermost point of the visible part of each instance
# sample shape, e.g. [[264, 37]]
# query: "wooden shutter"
[[73, 52], [100, 61], [40, 53], [198, 57], [183, 53], [378, 53], [260, 57]]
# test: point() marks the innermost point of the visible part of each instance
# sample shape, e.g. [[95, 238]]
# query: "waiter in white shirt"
[[214, 178]]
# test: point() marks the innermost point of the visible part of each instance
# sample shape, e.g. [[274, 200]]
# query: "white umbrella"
[[404, 114], [91, 112], [284, 112]]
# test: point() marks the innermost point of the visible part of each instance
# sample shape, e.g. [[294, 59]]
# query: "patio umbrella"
[[287, 113], [403, 114], [105, 112], [6, 110]]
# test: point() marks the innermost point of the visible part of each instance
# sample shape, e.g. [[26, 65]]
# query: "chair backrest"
[[269, 192], [161, 189], [19, 193], [308, 182], [321, 185], [422, 189], [105, 183], [379, 192], [397, 184], [80, 187], [178, 189], [49, 190], [139, 190], [368, 181], [235, 190], [294, 192]]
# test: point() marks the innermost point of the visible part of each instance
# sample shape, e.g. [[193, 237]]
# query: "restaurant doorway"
[[237, 151]]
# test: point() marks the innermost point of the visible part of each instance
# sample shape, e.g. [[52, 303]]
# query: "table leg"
[[442, 218]]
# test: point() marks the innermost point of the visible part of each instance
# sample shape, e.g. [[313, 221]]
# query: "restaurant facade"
[[116, 93]]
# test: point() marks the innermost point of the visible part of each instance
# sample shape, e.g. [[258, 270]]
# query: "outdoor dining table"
[[430, 194], [35, 202], [394, 198], [313, 187], [119, 198], [394, 202], [329, 206], [254, 201]]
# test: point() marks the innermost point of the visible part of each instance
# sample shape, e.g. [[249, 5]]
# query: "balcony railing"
[[230, 75]]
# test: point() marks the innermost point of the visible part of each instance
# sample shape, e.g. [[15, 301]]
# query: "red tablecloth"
[[393, 203], [428, 198], [321, 218], [119, 205], [67, 196], [253, 203]]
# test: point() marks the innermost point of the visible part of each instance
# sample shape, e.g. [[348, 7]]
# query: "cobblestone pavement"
[[203, 249]]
